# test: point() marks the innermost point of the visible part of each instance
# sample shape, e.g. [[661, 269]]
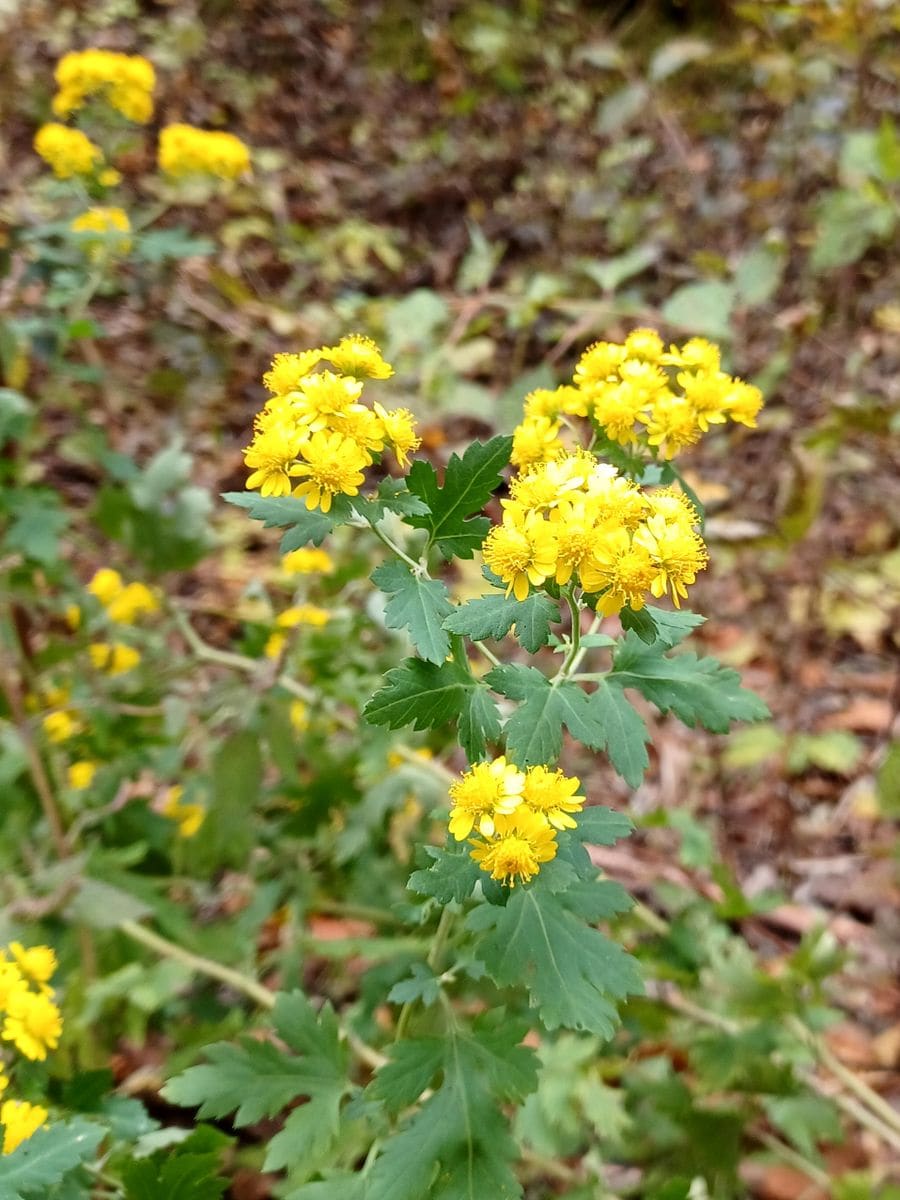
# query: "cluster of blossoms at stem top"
[[637, 393], [103, 232], [185, 150], [123, 81], [31, 1026], [515, 814], [315, 437]]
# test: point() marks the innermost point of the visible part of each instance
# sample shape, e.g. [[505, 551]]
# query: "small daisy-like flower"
[[308, 560], [645, 344], [599, 362], [616, 407], [61, 725], [68, 152], [37, 963], [742, 402], [672, 424], [332, 465], [620, 570], [19, 1121], [521, 551], [360, 356], [113, 658], [11, 981], [677, 554], [271, 455], [289, 370], [535, 440], [399, 431], [80, 775], [33, 1024], [324, 396], [552, 794], [523, 842], [189, 817], [132, 602], [106, 584], [484, 792]]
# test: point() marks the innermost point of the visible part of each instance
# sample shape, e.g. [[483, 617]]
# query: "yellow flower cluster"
[[308, 560], [185, 150], [105, 231], [189, 817], [315, 429], [291, 618], [67, 151], [638, 392], [516, 813], [576, 520], [124, 81], [32, 1024], [123, 602], [61, 722], [113, 658]]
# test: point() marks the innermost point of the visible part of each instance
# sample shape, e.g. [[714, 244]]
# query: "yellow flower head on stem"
[[332, 465], [19, 1121], [271, 455], [37, 963], [288, 371], [399, 431], [308, 560], [360, 356], [619, 569], [520, 845], [552, 794], [68, 152], [522, 551], [484, 792], [33, 1024]]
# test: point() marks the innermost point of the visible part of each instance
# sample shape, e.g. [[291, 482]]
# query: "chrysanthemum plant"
[[581, 549]]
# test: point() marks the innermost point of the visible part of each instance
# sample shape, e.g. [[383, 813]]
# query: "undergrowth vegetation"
[[388, 856]]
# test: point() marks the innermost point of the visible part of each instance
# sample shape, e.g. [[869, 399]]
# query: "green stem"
[[433, 959], [416, 567], [575, 645]]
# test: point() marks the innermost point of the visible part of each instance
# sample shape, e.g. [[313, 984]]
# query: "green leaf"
[[420, 984], [256, 1079], [160, 244], [702, 308], [546, 940], [479, 723], [493, 615], [640, 622], [468, 484], [698, 690], [624, 732], [849, 222], [888, 781], [336, 1187], [187, 1171], [602, 826], [38, 520], [420, 694], [458, 1145], [673, 625], [39, 1163], [805, 1120], [417, 604], [306, 525], [451, 876], [534, 731], [611, 273], [392, 497], [237, 772], [759, 272]]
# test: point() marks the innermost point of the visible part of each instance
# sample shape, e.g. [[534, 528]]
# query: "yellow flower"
[[575, 522], [619, 569], [189, 817], [400, 431], [331, 466], [103, 231], [61, 725], [67, 151], [645, 344], [698, 354], [37, 963], [522, 843], [322, 397], [615, 498], [677, 554], [20, 1120], [550, 402], [114, 658], [106, 584], [271, 456], [598, 363], [110, 177], [705, 391], [552, 794], [130, 603], [485, 791], [742, 402], [185, 150], [362, 426], [308, 560], [615, 407], [11, 981], [358, 355], [33, 1024], [300, 614], [289, 370], [535, 441], [672, 424], [72, 615], [124, 81], [521, 551], [298, 715], [80, 775]]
